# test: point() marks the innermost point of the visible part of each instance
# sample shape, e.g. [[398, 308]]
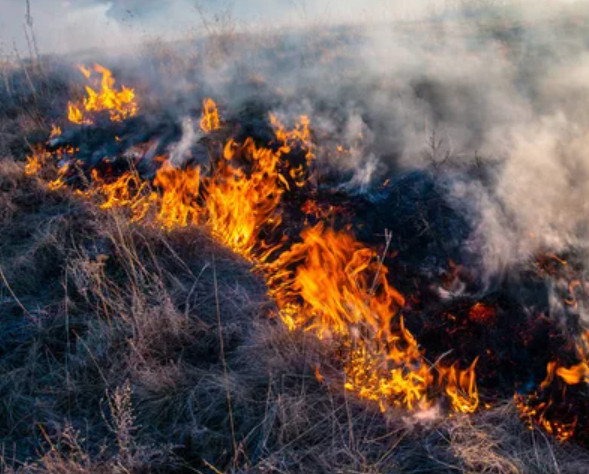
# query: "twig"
[[210, 466], [25, 310], [388, 235], [33, 39]]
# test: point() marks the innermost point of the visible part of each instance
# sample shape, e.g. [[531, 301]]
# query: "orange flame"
[[328, 283], [461, 387], [36, 161], [55, 131], [178, 202], [579, 372], [482, 313], [239, 205], [120, 104], [299, 136], [126, 191], [333, 286], [59, 182], [210, 116], [535, 412], [535, 409]]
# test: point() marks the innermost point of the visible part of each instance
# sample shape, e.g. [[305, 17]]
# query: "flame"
[[327, 283], [312, 208], [550, 371], [540, 408], [242, 202], [482, 313], [178, 202], [579, 372], [126, 191], [318, 375], [210, 116], [85, 71], [120, 104], [390, 374], [535, 412], [299, 137], [55, 131], [75, 115], [59, 182], [333, 286], [239, 205], [36, 161], [572, 301], [461, 387], [576, 374]]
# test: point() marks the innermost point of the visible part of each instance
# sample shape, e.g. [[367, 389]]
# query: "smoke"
[[180, 152], [505, 91], [66, 25], [490, 95]]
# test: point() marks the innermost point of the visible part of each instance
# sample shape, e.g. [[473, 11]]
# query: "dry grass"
[[125, 349], [112, 363]]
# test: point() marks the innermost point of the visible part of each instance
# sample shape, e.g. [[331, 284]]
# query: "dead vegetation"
[[112, 362], [127, 349]]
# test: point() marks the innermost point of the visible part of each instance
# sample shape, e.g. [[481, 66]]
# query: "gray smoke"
[[442, 85]]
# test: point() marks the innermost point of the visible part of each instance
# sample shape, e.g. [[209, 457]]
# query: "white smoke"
[[504, 81]]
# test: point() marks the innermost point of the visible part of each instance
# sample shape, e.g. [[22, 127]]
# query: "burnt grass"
[[124, 348]]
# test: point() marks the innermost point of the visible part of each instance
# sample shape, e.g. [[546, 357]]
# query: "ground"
[[127, 348]]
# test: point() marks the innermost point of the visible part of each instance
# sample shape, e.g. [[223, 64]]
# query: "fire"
[[461, 387], [75, 115], [482, 313], [242, 201], [179, 192], [573, 375], [239, 206], [55, 131], [59, 182], [327, 283], [340, 283], [535, 412], [312, 208], [36, 161], [576, 373], [298, 137], [538, 407], [210, 117], [389, 374], [333, 286], [127, 191], [120, 104]]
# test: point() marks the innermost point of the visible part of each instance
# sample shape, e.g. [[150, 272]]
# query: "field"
[[143, 336]]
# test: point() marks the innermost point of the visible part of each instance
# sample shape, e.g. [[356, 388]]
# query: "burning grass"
[[139, 340], [116, 364], [329, 283]]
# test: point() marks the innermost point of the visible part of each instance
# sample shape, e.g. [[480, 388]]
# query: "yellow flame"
[[327, 283], [210, 116], [179, 192], [120, 104]]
